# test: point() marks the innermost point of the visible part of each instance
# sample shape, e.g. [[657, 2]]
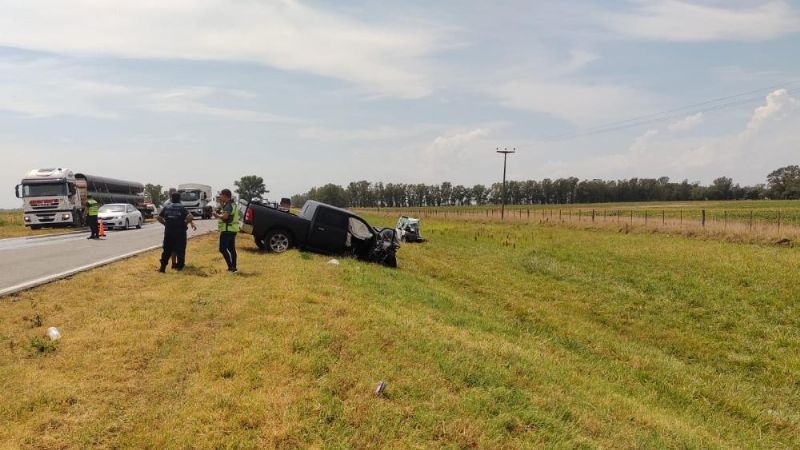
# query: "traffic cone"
[[101, 228]]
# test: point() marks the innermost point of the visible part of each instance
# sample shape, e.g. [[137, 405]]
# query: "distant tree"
[[250, 187], [479, 194], [155, 192], [721, 189], [784, 183]]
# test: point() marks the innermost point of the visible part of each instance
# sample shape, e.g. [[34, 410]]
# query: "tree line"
[[783, 183]]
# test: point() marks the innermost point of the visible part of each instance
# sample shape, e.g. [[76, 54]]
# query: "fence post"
[[631, 217], [645, 217], [703, 217], [579, 214], [681, 217], [592, 215], [724, 219], [559, 215], [751, 220], [529, 214], [663, 217]]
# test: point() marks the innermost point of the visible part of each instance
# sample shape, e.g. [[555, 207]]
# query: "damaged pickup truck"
[[320, 228]]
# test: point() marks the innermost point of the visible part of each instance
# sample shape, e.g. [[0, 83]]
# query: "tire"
[[127, 225], [278, 241], [139, 225], [391, 261], [261, 242], [36, 227]]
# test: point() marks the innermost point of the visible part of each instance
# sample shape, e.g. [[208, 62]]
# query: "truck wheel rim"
[[279, 243]]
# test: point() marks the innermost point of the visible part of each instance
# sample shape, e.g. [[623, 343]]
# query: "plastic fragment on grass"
[[53, 334], [334, 262], [380, 389]]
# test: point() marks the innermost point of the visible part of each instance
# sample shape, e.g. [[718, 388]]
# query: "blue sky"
[[309, 92]]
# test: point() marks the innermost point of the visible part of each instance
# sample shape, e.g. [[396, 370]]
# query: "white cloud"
[[380, 58], [682, 21], [457, 140], [767, 141], [583, 104], [379, 133], [49, 87], [449, 154], [778, 104], [687, 123]]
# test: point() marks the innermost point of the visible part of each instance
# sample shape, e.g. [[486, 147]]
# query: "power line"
[[716, 104]]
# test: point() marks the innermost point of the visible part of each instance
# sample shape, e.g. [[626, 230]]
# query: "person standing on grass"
[[90, 217], [176, 219], [228, 226]]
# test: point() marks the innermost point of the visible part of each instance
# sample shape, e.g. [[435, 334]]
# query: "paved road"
[[28, 262]]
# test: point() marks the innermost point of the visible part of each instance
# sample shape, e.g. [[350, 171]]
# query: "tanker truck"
[[57, 196]]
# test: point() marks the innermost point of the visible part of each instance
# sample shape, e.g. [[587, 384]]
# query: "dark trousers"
[[92, 222], [174, 243], [227, 246]]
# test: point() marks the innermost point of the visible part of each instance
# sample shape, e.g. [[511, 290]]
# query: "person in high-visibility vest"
[[228, 226], [91, 212]]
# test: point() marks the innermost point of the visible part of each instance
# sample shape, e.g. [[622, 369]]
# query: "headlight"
[[27, 219], [65, 217]]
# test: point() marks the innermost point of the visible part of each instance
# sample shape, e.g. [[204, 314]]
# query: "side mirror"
[[17, 192], [205, 197]]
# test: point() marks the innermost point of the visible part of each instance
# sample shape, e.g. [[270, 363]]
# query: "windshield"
[[190, 196], [44, 190], [112, 208]]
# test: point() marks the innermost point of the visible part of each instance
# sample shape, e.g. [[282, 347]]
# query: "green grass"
[[488, 336]]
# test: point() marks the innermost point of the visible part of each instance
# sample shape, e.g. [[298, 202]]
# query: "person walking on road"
[[228, 226], [90, 216], [176, 219]]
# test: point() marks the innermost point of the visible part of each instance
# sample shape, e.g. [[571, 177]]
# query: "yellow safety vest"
[[233, 222], [94, 207]]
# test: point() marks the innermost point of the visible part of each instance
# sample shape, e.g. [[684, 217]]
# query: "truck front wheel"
[[278, 241]]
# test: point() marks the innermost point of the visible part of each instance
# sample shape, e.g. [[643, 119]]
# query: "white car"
[[120, 215]]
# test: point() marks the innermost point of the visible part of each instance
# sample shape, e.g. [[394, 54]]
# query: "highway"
[[32, 261]]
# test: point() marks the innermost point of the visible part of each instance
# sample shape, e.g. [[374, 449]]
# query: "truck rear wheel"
[[261, 242], [278, 241]]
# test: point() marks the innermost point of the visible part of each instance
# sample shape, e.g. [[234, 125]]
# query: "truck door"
[[328, 231]]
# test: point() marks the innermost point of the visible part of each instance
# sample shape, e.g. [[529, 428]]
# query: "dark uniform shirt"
[[174, 216]]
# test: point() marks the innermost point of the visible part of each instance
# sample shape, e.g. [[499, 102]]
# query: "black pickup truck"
[[319, 228]]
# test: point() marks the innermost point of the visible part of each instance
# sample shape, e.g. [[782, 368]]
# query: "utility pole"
[[505, 153]]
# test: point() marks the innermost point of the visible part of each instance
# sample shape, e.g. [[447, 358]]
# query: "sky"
[[305, 93]]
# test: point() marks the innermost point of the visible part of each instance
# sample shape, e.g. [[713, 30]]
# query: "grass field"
[[762, 221], [760, 211], [11, 225], [488, 336]]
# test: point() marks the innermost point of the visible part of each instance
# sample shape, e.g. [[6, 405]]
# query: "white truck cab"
[[50, 197], [197, 198]]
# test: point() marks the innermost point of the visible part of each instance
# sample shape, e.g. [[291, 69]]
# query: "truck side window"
[[331, 218]]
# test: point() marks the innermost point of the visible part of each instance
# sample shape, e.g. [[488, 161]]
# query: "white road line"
[[50, 278]]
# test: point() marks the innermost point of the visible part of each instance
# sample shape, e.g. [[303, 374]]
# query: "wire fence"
[[763, 223]]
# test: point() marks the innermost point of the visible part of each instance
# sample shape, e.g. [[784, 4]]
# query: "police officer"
[[90, 216], [228, 226], [176, 219]]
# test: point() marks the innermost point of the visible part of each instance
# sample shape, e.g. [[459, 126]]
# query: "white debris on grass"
[[334, 262], [53, 333]]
